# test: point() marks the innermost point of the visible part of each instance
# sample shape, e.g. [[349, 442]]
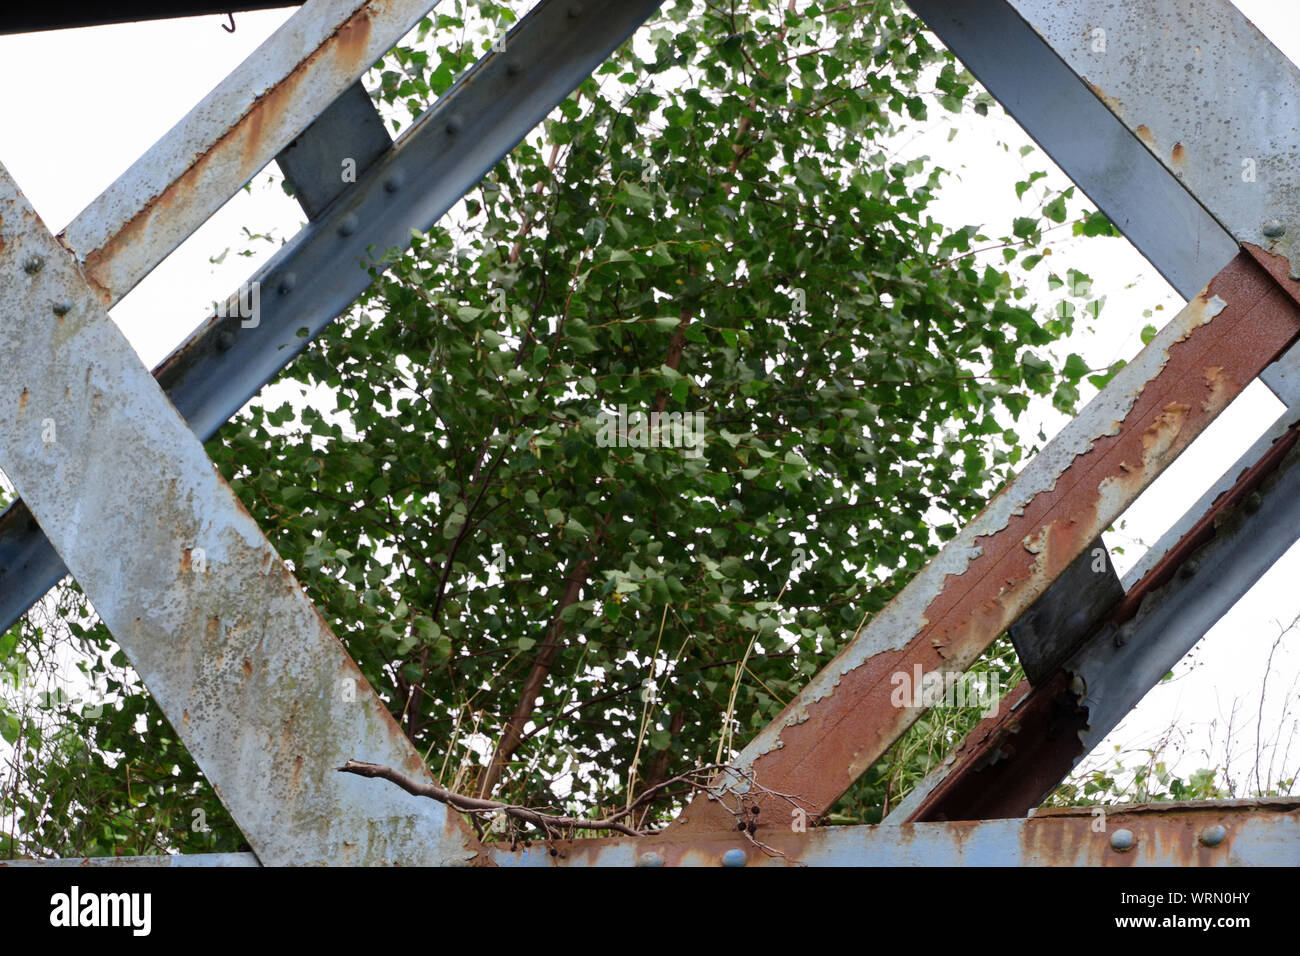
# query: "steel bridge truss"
[[1153, 108]]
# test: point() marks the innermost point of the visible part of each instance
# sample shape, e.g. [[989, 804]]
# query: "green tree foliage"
[[713, 226]]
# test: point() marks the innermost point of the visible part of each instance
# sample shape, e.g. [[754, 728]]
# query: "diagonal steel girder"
[[996, 568], [1192, 576], [318, 274], [257, 687], [1178, 118], [230, 135]]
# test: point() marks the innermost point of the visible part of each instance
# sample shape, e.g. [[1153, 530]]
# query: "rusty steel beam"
[[230, 135], [1206, 833], [491, 107], [260, 691], [1191, 578], [999, 565]]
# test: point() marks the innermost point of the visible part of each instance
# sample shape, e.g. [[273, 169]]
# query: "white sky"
[[81, 105]]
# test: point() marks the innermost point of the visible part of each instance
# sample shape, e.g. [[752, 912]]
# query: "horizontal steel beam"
[[998, 565], [1227, 833], [237, 129], [1197, 571], [319, 274], [262, 694], [29, 18]]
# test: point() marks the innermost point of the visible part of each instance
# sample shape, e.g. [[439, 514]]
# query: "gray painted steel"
[[1172, 620], [1060, 620], [319, 273], [1094, 148], [263, 695], [238, 128], [351, 130]]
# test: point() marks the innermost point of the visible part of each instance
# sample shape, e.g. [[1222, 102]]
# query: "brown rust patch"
[[1179, 155], [22, 400], [346, 46], [1113, 103], [185, 559], [1144, 133], [248, 667], [1214, 381], [842, 733]]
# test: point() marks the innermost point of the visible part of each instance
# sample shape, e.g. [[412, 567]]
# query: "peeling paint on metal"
[[230, 135], [237, 657], [976, 587]]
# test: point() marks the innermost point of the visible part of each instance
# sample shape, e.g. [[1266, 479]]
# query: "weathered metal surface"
[[1263, 833], [160, 862], [1054, 106], [230, 135], [1063, 617], [262, 694], [223, 364], [1204, 91], [350, 131], [1158, 109], [1203, 566], [987, 576]]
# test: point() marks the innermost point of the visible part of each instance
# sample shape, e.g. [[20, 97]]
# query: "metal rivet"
[[575, 11], [1274, 229], [734, 857], [512, 68], [1121, 840], [33, 265], [225, 339], [394, 182], [1078, 687], [650, 859], [348, 225], [1190, 567], [1253, 501], [287, 283], [62, 308], [454, 123], [1213, 835], [1125, 633]]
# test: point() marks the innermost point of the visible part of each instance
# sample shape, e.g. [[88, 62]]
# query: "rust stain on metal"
[[1179, 155], [346, 46], [1114, 103], [1144, 134], [1239, 324]]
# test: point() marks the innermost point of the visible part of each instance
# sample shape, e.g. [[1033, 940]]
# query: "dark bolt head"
[[287, 283], [348, 225], [62, 308], [1253, 501], [33, 265], [394, 182], [455, 123], [575, 11], [513, 68], [1124, 634], [225, 339], [740, 826], [1274, 229], [1190, 567]]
